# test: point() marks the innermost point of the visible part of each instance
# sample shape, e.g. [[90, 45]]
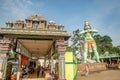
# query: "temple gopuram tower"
[[36, 22]]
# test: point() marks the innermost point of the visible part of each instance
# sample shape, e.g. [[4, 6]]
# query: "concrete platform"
[[92, 66], [100, 75]]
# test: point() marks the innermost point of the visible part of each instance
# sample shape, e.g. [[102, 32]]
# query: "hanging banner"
[[24, 60]]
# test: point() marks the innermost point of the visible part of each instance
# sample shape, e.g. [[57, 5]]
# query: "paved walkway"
[[101, 75], [33, 77]]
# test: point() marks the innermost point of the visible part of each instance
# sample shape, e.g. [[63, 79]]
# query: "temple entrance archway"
[[32, 41]]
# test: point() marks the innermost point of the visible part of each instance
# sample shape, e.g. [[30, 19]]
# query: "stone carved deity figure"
[[89, 42]]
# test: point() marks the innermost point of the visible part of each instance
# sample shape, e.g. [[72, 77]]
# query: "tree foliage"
[[104, 43], [77, 40]]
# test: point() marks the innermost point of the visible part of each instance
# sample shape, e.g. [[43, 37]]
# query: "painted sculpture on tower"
[[89, 42]]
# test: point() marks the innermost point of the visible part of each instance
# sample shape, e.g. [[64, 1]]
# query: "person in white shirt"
[[1, 73]]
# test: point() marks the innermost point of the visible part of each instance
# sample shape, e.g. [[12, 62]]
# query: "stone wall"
[[92, 66]]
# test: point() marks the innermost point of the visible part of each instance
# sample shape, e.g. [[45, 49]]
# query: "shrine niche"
[[36, 22], [52, 25], [19, 24], [9, 24], [60, 27]]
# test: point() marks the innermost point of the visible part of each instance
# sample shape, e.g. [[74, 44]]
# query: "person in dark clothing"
[[38, 71], [52, 75], [42, 71]]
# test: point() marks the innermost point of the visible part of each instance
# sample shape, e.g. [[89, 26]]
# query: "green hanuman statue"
[[89, 42]]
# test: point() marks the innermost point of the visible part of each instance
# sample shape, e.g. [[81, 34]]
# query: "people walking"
[[12, 76], [47, 75], [86, 70], [38, 71], [15, 70], [1, 73], [42, 71]]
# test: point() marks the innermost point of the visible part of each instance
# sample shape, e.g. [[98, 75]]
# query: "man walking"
[[86, 70]]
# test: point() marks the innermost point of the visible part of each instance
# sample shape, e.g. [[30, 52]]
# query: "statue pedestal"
[[92, 66]]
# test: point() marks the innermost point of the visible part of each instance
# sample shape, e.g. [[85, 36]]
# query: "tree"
[[77, 40], [104, 43], [115, 50]]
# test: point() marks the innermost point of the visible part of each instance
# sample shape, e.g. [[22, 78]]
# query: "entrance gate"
[[36, 38]]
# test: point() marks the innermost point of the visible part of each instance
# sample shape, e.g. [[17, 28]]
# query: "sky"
[[103, 15]]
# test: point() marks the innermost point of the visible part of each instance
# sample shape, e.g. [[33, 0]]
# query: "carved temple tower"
[[36, 22]]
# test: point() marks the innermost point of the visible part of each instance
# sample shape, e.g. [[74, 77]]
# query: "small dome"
[[51, 21], [60, 25], [9, 22]]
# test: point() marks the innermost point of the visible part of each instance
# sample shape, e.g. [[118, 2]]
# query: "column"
[[61, 48], [4, 50], [44, 61], [19, 68], [49, 61], [61, 62], [19, 60], [52, 65]]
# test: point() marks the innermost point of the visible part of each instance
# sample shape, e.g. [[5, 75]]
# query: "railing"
[[109, 55]]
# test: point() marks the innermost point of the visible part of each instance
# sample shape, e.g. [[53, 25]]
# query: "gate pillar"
[[61, 48]]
